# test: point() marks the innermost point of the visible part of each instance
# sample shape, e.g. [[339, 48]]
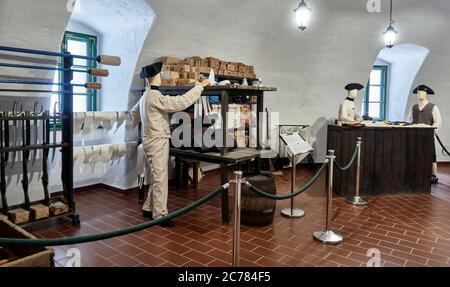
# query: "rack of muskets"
[[33, 133]]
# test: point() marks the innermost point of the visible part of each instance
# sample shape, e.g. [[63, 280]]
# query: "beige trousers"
[[157, 152]]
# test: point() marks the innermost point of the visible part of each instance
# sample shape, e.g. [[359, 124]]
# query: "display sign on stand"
[[297, 147]]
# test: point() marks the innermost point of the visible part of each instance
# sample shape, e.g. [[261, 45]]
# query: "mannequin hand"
[[205, 83]]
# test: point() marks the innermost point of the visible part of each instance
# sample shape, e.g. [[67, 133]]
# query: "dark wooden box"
[[393, 159]]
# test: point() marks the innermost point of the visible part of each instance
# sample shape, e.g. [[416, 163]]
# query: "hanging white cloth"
[[120, 119], [140, 163]]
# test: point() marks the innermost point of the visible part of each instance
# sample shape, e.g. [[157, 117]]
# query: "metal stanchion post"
[[328, 236], [237, 218], [357, 200], [293, 212]]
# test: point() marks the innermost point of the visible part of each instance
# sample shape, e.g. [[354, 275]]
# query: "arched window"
[[79, 44], [375, 99], [390, 81]]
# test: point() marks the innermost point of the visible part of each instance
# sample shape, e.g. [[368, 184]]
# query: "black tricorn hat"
[[354, 86], [151, 70], [424, 88]]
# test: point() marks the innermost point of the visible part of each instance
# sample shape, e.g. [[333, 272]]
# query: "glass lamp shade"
[[390, 37], [302, 15]]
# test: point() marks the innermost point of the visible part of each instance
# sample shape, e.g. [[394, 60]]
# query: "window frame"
[[384, 92], [91, 41]]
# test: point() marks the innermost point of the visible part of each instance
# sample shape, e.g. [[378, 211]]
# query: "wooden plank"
[[27, 256], [368, 165], [223, 88], [387, 160], [378, 180], [333, 143], [236, 156], [403, 180], [425, 144], [41, 259], [410, 160], [397, 155], [419, 160]]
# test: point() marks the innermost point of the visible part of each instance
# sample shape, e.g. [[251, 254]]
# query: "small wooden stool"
[[186, 164]]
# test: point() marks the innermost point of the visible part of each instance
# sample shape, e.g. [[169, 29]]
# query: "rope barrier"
[[350, 164], [111, 234], [444, 149], [292, 195]]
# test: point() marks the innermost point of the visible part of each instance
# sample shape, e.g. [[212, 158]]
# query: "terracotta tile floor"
[[409, 230]]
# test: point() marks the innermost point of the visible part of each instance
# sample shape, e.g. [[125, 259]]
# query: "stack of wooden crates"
[[179, 72]]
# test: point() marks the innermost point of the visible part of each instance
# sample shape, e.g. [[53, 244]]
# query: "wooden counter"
[[393, 159]]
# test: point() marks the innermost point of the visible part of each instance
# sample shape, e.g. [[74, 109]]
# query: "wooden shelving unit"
[[225, 157]]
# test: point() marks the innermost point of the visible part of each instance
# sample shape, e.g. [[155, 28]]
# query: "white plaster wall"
[[123, 26], [26, 24], [29, 24]]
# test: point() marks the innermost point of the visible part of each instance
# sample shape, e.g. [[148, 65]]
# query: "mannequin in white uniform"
[[152, 111], [425, 112], [347, 111]]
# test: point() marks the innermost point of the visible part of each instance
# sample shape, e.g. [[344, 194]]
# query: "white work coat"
[[347, 112], [152, 111]]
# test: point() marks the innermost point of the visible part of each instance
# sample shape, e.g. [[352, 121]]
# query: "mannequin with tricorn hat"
[[425, 112], [347, 111], [152, 111]]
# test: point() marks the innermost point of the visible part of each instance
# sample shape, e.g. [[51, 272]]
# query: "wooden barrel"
[[257, 210]]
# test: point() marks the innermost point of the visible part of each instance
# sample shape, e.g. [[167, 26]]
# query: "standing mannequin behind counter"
[[152, 111], [426, 113], [347, 111]]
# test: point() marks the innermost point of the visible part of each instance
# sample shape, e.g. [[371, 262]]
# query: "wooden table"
[[393, 159], [231, 158]]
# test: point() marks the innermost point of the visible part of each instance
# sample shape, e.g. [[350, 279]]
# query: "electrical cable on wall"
[[444, 148]]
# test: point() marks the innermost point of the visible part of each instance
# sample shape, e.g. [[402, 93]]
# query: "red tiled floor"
[[124, 260], [408, 230], [149, 259], [199, 257], [174, 258]]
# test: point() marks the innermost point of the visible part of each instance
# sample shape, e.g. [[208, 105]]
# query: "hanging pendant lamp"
[[390, 36], [302, 15]]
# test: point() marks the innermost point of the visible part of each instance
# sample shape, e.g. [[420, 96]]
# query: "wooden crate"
[[27, 256]]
